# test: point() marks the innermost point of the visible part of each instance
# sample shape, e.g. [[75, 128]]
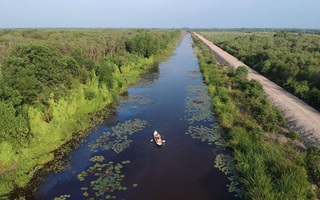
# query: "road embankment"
[[300, 116]]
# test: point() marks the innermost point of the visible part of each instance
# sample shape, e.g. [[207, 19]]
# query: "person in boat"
[[157, 137]]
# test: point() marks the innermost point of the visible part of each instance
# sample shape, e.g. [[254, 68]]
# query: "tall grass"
[[265, 168]]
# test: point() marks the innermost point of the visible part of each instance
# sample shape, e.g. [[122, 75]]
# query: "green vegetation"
[[210, 134], [62, 197], [109, 178], [260, 30], [54, 84], [107, 175], [117, 140], [292, 60], [264, 167], [198, 105], [313, 162]]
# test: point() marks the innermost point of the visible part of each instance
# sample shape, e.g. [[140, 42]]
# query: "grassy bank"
[[266, 166], [54, 84]]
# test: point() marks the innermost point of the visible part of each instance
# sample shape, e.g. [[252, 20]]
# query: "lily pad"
[[135, 101], [212, 134], [117, 138], [63, 197], [85, 194], [97, 159], [107, 178], [198, 105], [194, 74], [225, 163]]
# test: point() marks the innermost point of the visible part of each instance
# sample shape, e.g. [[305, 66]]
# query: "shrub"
[[313, 163]]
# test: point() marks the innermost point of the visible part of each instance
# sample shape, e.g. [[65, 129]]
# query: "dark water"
[[181, 169]]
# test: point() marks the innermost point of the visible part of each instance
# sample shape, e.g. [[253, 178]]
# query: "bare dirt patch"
[[299, 115]]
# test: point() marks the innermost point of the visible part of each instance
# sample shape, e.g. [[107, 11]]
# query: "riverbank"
[[299, 115], [65, 113], [264, 167]]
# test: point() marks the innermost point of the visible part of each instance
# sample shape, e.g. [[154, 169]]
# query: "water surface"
[[181, 169]]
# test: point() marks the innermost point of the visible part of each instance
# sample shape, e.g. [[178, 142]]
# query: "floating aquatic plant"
[[211, 134], [194, 74], [108, 178], [59, 166], [85, 194], [198, 108], [134, 101], [225, 163], [126, 162], [110, 197], [117, 138], [97, 159], [63, 197], [108, 175], [84, 188], [198, 104]]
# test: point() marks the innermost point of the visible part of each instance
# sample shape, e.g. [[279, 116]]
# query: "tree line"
[[291, 60], [259, 30]]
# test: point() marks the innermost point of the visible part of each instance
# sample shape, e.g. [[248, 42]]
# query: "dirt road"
[[300, 116]]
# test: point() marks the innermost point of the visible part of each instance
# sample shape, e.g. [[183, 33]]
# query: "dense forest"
[[54, 83], [292, 60], [267, 160], [259, 30]]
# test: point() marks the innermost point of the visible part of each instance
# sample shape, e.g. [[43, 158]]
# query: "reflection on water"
[[119, 160]]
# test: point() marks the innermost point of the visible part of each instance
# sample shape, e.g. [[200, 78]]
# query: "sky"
[[160, 14]]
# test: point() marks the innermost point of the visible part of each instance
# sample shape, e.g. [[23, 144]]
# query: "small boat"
[[157, 138]]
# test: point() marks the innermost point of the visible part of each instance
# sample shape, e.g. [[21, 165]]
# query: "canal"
[[118, 160]]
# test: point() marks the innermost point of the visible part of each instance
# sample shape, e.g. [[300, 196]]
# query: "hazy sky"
[[160, 13]]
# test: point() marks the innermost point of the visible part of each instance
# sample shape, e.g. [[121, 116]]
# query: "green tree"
[[242, 72], [299, 89], [290, 60], [105, 73], [21, 77], [145, 44], [14, 127], [314, 97], [7, 94]]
